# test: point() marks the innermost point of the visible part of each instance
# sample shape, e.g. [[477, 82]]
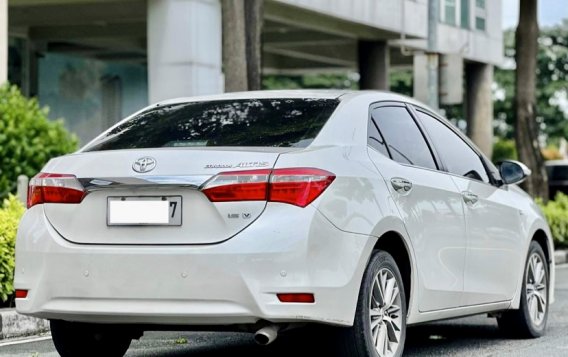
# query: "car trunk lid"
[[177, 173]]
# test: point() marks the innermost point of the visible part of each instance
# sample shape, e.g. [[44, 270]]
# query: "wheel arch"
[[541, 235], [393, 243], [541, 238]]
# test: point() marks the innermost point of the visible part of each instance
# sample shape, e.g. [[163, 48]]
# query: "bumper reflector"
[[21, 294], [297, 298]]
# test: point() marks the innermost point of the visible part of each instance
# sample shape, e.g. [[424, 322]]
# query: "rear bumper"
[[234, 282]]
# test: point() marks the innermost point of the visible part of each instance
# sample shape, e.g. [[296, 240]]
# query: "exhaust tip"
[[261, 339], [266, 335]]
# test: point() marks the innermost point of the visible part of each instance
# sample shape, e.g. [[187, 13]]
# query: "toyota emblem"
[[144, 164]]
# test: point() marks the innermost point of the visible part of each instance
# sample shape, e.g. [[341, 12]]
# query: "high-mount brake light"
[[54, 188], [296, 186]]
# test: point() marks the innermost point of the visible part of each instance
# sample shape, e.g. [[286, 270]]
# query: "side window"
[[458, 156], [375, 139], [404, 141]]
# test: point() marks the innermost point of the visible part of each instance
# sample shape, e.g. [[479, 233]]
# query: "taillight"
[[296, 186], [54, 188], [238, 186]]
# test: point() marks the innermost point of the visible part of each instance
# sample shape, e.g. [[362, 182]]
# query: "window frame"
[[456, 11], [465, 21], [421, 129], [416, 109], [480, 13]]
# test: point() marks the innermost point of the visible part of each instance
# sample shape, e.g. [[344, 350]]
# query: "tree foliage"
[[27, 138], [555, 213], [551, 85], [10, 214]]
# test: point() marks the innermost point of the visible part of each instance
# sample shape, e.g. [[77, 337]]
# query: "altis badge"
[[240, 165]]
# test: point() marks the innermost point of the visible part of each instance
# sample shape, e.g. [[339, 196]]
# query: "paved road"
[[474, 336]]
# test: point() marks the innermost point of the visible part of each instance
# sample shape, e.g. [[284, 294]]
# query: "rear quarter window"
[[253, 122]]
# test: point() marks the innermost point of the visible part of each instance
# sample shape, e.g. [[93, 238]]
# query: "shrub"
[[10, 215], [27, 138], [504, 149], [556, 213]]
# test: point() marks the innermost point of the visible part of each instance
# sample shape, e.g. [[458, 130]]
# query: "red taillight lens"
[[238, 186], [54, 188], [301, 298], [21, 294], [297, 186]]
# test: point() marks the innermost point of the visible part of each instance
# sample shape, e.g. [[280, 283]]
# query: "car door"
[[427, 200], [493, 222]]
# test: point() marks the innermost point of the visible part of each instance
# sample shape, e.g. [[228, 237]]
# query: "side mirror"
[[513, 172]]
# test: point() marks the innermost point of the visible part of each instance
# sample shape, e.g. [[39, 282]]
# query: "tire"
[[73, 339], [526, 322], [361, 339]]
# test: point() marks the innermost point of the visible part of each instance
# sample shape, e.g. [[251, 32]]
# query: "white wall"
[[474, 45], [381, 14], [481, 46]]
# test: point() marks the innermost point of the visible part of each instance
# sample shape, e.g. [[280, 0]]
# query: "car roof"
[[261, 94], [341, 94]]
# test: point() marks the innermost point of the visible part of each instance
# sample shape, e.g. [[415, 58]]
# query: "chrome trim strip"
[[105, 183]]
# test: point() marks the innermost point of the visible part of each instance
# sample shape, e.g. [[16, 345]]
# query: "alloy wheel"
[[536, 289], [385, 313]]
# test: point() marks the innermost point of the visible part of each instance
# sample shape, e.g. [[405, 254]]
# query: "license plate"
[[144, 211]]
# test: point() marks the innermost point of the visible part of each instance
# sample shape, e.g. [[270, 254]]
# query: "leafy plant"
[[27, 138], [504, 149], [556, 213], [10, 214]]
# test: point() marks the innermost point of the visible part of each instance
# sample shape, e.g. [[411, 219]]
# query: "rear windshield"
[[258, 122], [557, 173]]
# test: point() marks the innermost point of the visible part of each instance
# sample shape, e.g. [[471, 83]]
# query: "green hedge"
[[556, 212], [27, 138], [10, 215], [504, 149]]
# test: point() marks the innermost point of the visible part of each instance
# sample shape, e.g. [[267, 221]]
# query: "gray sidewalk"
[[14, 325]]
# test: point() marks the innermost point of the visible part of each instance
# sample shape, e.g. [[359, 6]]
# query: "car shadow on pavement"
[[296, 343], [449, 337], [452, 336]]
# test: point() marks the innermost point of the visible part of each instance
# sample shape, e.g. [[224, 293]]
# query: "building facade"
[[96, 61]]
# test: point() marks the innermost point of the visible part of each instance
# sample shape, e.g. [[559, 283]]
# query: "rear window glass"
[[258, 122], [557, 173]]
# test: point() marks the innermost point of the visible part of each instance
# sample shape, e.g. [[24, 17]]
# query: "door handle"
[[401, 185], [469, 198]]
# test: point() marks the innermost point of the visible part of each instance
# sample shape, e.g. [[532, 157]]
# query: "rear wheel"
[[380, 322], [73, 339], [529, 321]]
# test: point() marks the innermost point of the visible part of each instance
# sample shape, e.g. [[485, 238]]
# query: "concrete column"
[[184, 48], [420, 77], [374, 63], [479, 105], [3, 41]]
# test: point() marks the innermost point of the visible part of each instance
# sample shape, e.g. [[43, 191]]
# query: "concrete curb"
[[561, 257], [15, 325]]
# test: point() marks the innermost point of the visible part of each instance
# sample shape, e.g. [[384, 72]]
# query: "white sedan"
[[265, 211]]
